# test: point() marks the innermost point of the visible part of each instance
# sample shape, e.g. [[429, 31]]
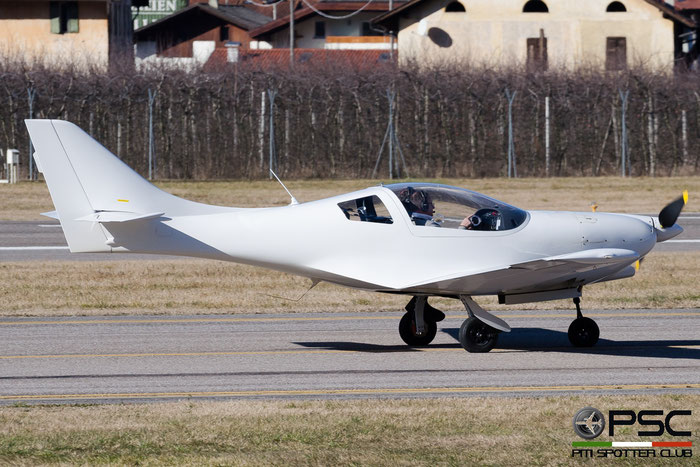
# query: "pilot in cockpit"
[[484, 219], [419, 206]]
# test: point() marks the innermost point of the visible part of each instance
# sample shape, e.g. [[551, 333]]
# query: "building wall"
[[25, 32], [496, 33], [304, 30], [184, 49]]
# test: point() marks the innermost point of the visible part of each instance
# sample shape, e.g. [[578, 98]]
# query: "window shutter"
[[72, 17], [55, 16]]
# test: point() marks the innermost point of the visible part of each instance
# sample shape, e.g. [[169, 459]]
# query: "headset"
[[407, 199]]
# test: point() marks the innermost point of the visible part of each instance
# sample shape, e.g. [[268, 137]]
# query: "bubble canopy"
[[452, 207]]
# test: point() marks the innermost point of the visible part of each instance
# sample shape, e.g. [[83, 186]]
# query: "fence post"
[[272, 93], [684, 136], [512, 171], [31, 94], [623, 127], [261, 132], [151, 155]]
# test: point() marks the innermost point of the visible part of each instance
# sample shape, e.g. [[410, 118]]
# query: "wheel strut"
[[583, 332], [577, 302]]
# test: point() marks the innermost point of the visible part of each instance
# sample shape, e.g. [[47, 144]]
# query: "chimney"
[[214, 3], [232, 51]]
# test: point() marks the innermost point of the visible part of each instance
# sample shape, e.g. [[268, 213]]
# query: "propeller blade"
[[669, 214]]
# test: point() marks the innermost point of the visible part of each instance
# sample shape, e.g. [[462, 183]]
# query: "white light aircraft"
[[415, 239]]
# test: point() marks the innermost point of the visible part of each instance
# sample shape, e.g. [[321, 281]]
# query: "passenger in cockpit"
[[419, 206]]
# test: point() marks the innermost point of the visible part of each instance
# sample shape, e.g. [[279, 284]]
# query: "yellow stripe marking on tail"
[[685, 196], [123, 200]]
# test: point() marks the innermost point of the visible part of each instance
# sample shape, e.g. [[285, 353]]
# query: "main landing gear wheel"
[[407, 331], [583, 332], [477, 336]]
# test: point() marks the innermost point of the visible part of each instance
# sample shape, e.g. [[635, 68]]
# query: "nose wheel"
[[583, 332]]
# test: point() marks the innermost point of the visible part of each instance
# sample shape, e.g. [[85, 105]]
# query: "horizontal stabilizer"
[[51, 214], [118, 216]]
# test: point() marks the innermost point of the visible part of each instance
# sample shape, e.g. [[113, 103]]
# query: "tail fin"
[[90, 185]]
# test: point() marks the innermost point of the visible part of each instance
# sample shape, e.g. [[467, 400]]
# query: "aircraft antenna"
[[294, 200]]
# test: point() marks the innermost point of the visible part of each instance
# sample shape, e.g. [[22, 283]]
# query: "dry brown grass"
[[190, 286], [25, 201], [468, 431]]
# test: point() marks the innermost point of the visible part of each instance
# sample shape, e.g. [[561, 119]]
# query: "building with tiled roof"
[[191, 35], [542, 34], [329, 24]]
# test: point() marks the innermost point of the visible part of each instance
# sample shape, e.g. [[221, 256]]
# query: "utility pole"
[[393, 142], [291, 34], [391, 36]]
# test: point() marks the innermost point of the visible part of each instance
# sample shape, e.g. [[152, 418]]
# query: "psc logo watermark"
[[589, 423]]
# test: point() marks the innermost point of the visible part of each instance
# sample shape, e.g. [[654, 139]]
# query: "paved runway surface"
[[44, 241], [338, 356]]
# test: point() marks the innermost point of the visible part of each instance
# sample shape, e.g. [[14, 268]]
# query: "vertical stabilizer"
[[93, 189], [67, 192]]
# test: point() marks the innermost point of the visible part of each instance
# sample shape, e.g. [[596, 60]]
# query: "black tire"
[[477, 336], [407, 331], [583, 332]]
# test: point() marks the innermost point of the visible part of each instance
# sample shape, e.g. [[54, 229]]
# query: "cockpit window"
[[368, 209], [433, 205]]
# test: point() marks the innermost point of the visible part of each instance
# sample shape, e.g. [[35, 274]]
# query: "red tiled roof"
[[687, 5], [278, 59]]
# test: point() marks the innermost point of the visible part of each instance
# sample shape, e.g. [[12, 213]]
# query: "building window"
[[320, 30], [616, 54], [616, 7], [64, 17], [537, 53], [455, 7], [535, 6], [368, 31], [223, 34]]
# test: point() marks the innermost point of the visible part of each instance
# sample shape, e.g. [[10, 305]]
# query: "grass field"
[[190, 286], [426, 432]]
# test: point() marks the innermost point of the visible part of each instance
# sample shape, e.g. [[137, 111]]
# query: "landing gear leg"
[[418, 326], [583, 332]]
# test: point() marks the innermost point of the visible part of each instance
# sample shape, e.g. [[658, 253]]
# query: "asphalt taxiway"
[[325, 355]]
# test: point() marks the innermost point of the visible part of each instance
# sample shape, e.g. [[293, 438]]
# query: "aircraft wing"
[[545, 274]]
